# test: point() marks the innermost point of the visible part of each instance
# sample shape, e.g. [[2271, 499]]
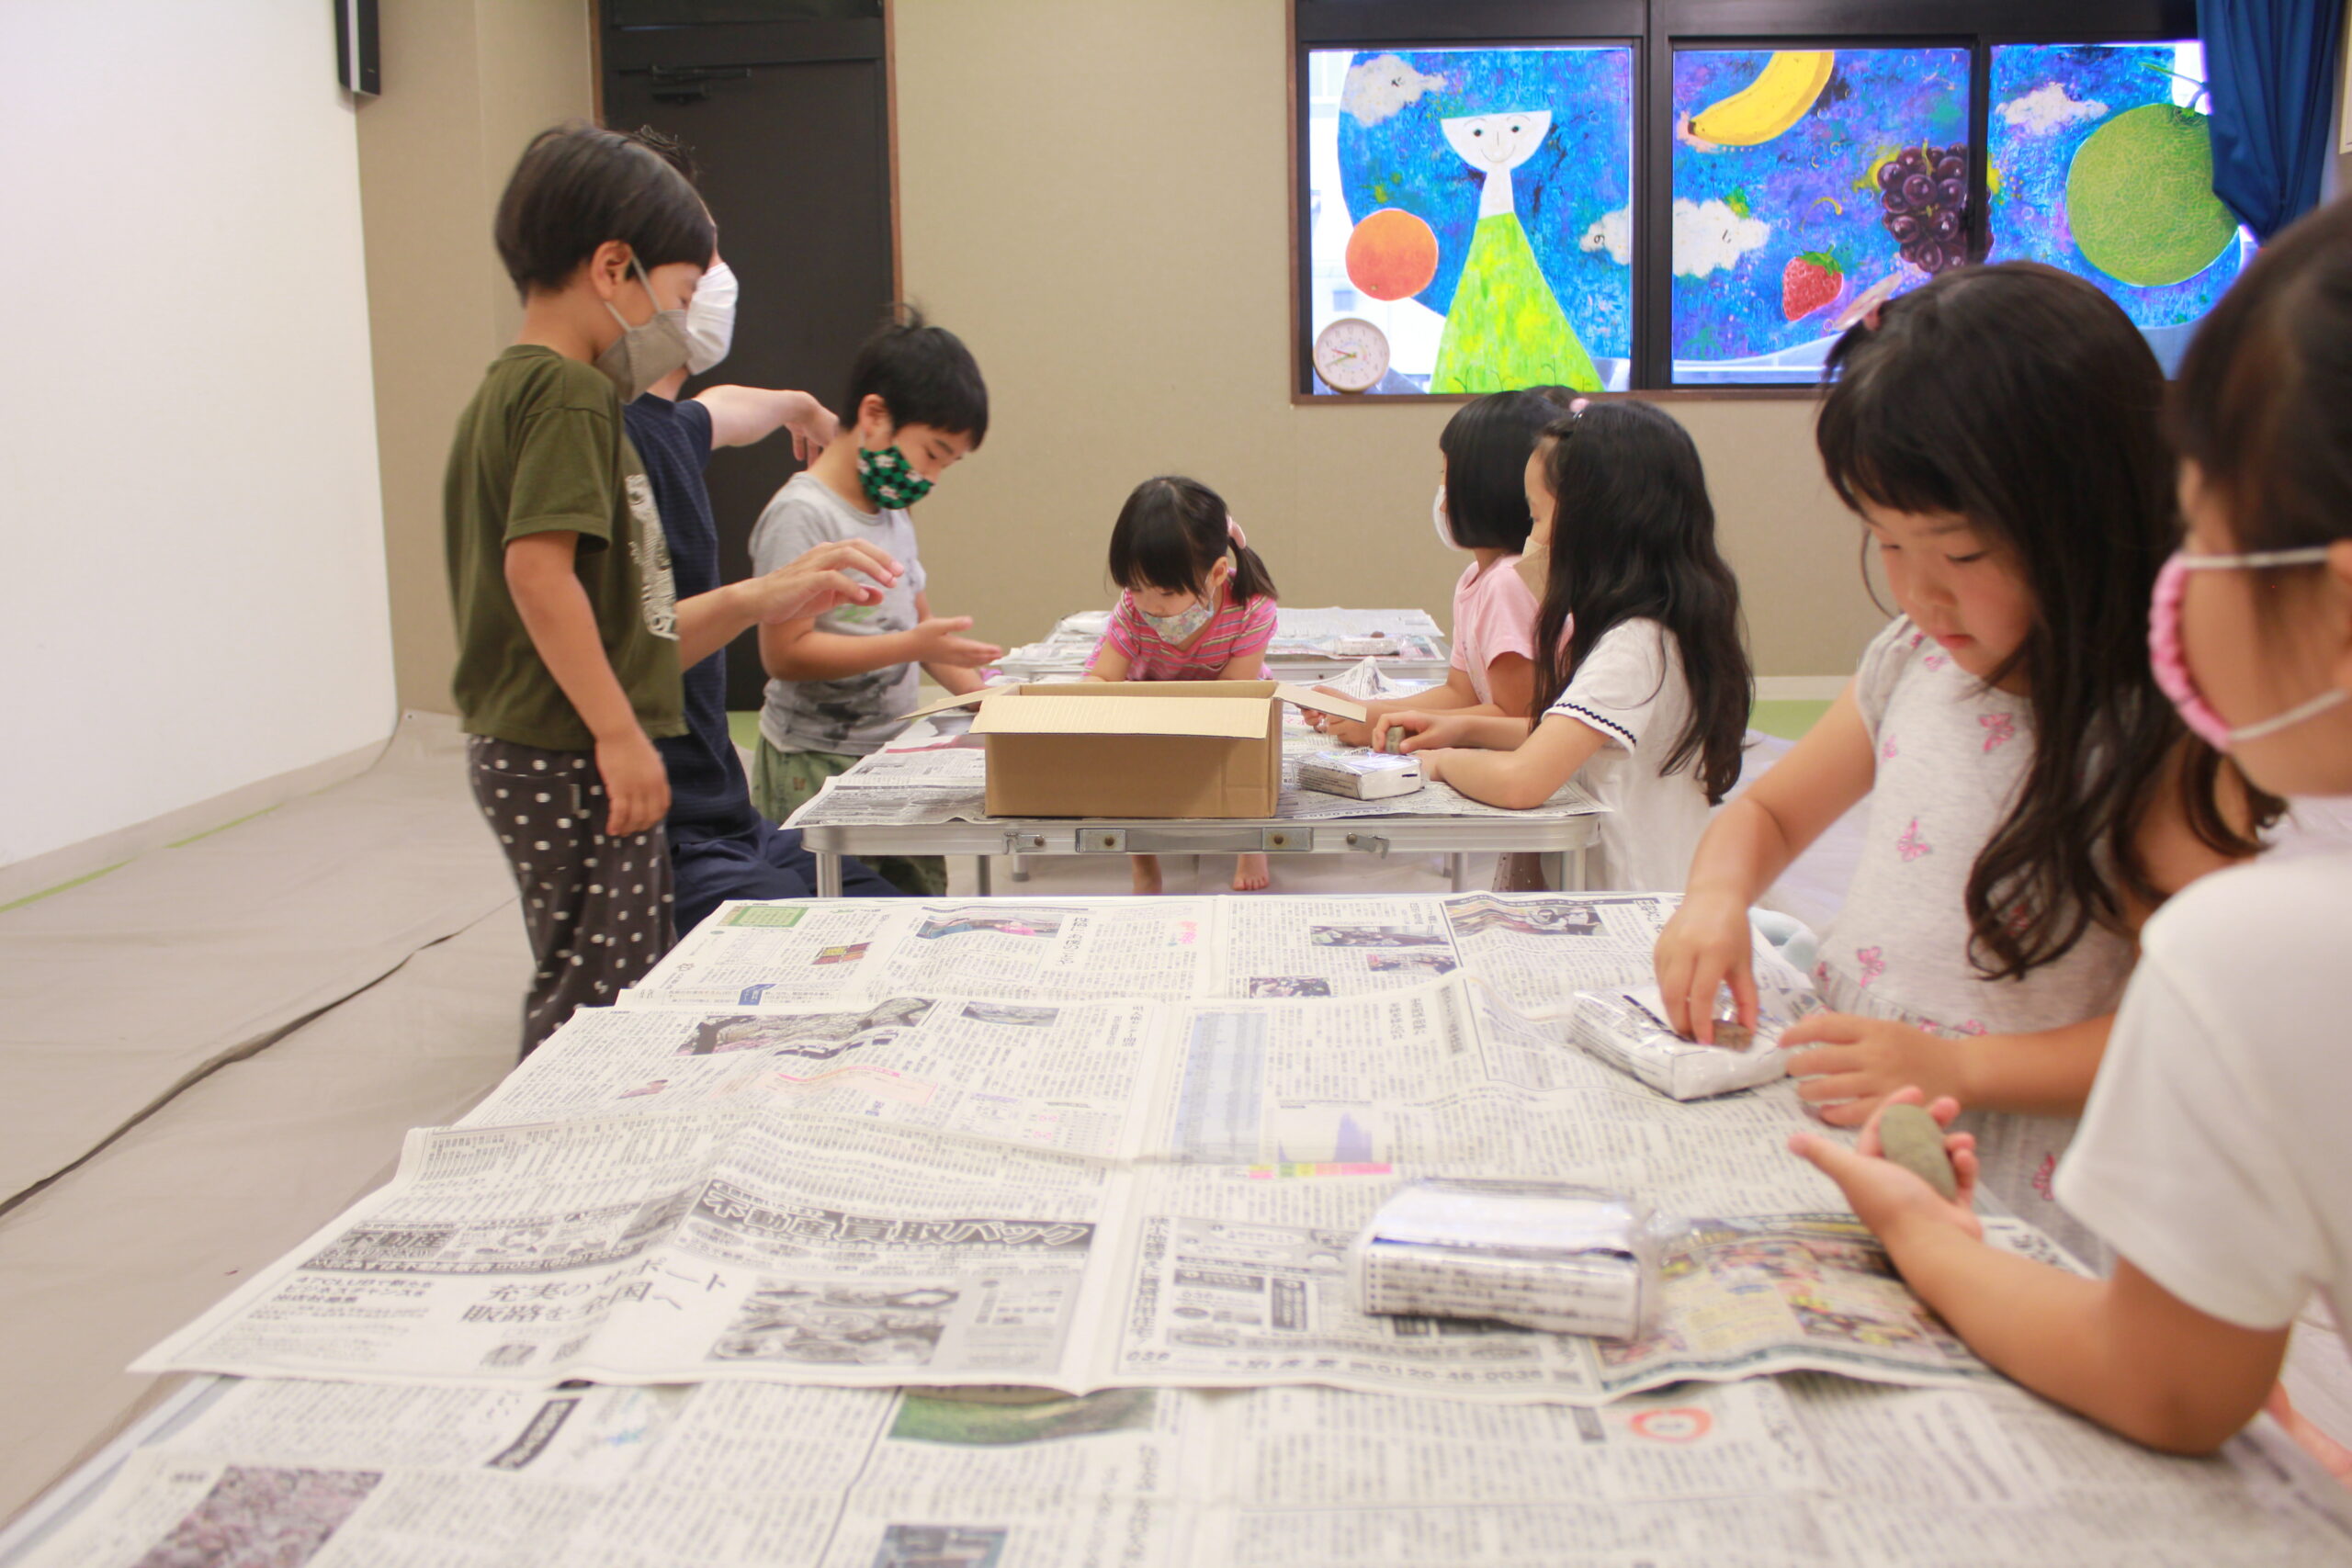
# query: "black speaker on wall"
[[357, 65]]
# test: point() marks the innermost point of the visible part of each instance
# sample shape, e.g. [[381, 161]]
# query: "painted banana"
[[1776, 100]]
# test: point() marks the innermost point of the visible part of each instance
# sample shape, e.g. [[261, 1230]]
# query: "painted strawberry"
[[1808, 283]]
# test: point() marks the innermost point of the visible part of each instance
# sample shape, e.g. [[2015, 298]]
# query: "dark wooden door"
[[789, 121]]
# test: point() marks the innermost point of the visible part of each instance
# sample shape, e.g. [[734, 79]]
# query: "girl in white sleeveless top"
[[2032, 795]]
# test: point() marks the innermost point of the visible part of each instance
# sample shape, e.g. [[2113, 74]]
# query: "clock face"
[[1351, 355]]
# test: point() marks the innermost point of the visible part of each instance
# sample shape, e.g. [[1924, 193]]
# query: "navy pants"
[[762, 861]]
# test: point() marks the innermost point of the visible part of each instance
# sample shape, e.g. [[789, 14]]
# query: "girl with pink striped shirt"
[[1196, 603]]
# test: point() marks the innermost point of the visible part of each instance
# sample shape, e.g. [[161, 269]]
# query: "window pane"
[[2102, 164], [1808, 183], [1470, 218]]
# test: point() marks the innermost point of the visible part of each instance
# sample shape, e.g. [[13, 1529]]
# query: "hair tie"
[[1870, 319], [1233, 531], [1578, 405]]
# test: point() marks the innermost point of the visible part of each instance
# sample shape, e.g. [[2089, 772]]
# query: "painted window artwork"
[[1808, 186], [1470, 219], [2102, 164]]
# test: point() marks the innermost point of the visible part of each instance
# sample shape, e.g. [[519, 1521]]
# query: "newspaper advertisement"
[[744, 955], [1156, 948], [1067, 1077], [1540, 949], [893, 803], [1333, 947], [1804, 1471], [714, 1475], [735, 1244]]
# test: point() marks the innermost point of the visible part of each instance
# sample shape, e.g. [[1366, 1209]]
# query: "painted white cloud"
[[1380, 87], [2049, 108], [1708, 236], [1613, 232]]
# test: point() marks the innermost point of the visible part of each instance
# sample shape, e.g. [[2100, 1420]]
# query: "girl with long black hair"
[[1641, 686], [2032, 795]]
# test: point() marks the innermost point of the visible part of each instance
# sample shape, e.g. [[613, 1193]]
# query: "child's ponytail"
[[1250, 578]]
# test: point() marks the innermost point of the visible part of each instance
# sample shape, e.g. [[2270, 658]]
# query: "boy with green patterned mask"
[[837, 682]]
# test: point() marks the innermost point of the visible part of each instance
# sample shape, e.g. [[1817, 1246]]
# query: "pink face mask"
[[2170, 661]]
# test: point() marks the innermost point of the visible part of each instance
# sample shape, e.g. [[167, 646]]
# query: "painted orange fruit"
[[1392, 254]]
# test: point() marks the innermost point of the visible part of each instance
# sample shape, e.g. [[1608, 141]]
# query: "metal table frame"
[[1561, 840]]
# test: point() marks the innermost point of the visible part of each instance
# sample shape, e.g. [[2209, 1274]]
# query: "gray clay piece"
[[1395, 741], [1912, 1139]]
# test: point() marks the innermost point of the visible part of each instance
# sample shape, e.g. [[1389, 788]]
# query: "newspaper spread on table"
[[868, 1143], [936, 779], [1804, 1471]]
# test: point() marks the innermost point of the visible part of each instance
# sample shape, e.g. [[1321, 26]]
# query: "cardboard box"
[[1146, 749]]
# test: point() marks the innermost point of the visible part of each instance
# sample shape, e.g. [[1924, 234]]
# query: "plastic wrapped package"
[[1627, 1029], [1548, 1255], [1360, 774]]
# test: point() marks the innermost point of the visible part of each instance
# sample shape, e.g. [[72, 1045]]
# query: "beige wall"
[[1096, 196], [467, 84]]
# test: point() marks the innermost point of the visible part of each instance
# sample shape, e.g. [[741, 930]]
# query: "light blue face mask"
[[1180, 628]]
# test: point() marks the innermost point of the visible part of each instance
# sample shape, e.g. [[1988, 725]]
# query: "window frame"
[[1654, 29]]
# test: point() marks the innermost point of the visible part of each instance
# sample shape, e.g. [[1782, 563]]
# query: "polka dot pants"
[[597, 908]]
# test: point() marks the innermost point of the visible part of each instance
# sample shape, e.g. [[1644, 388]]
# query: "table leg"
[[828, 875], [1457, 868], [1020, 869], [986, 878]]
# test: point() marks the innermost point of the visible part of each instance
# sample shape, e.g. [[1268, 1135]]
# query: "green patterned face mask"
[[889, 479]]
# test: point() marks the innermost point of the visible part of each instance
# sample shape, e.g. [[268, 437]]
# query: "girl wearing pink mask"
[[2032, 796], [2211, 1156]]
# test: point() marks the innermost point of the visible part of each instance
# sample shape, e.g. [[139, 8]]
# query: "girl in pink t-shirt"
[[1481, 508], [1196, 605]]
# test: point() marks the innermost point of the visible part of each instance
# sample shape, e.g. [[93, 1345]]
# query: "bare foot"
[[1147, 868], [1250, 874]]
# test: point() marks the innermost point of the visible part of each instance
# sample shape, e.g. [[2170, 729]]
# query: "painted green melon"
[[2140, 197]]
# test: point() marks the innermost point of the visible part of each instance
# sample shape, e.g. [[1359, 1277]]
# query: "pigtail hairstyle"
[[1487, 444], [1633, 537], [2021, 399], [1170, 536]]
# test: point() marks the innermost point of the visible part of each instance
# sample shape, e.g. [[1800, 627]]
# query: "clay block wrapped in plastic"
[[1627, 1029], [1360, 776], [1547, 1256]]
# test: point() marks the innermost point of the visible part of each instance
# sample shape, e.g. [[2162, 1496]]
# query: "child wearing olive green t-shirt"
[[567, 625], [569, 635]]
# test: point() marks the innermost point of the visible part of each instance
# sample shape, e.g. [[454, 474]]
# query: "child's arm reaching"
[[1518, 779], [811, 585], [796, 651], [2123, 1350], [955, 662], [1849, 1064], [1744, 850], [740, 416], [562, 625], [1248, 667], [1454, 696]]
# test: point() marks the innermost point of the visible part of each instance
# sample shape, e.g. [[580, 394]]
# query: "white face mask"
[[1437, 516], [710, 318]]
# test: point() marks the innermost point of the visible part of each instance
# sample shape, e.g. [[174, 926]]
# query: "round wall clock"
[[1351, 355]]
